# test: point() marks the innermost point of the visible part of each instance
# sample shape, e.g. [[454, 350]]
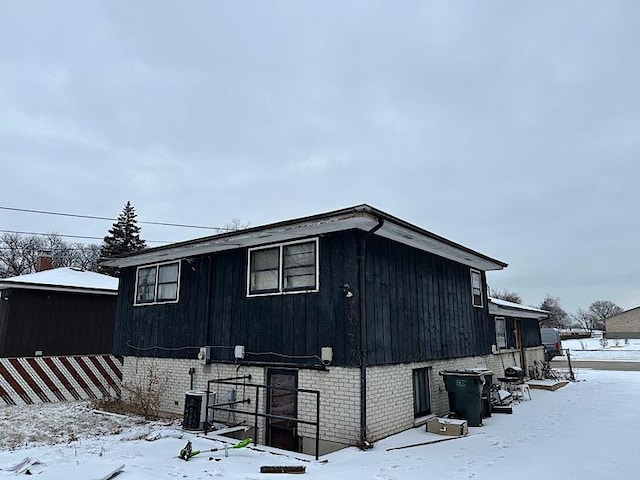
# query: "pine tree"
[[124, 237]]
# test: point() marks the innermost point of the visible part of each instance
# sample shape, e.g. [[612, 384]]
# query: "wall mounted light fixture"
[[346, 289]]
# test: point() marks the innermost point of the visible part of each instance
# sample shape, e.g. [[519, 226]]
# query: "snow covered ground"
[[586, 430], [597, 348]]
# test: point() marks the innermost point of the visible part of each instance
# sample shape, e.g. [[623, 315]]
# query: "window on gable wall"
[[289, 267], [157, 283], [476, 288], [501, 332]]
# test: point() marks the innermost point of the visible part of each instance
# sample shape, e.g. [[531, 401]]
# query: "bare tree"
[[603, 309], [86, 256], [19, 253], [506, 295], [558, 318], [593, 318], [235, 224], [585, 319]]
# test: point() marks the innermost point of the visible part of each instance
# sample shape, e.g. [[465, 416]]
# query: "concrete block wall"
[[392, 412], [173, 380], [389, 392], [508, 358], [390, 388], [339, 387], [339, 404], [439, 395], [533, 355], [389, 399]]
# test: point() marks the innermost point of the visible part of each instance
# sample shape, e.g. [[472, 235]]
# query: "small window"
[[476, 288], [265, 265], [299, 266], [146, 287], [501, 333], [421, 397], [167, 282], [290, 267], [157, 283]]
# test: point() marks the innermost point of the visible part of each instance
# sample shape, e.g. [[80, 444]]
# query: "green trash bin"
[[465, 394]]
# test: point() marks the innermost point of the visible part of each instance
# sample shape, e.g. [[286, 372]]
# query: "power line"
[[70, 236], [64, 249], [94, 217]]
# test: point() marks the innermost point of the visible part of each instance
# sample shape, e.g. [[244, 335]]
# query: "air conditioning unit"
[[204, 355], [195, 409]]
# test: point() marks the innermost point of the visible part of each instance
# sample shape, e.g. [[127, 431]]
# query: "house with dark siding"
[[355, 304], [517, 330], [59, 311]]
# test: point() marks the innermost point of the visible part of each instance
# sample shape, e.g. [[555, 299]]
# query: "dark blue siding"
[[56, 323], [530, 332], [295, 324], [418, 308]]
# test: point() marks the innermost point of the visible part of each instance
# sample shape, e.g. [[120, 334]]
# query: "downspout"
[[364, 444], [207, 313], [207, 317]]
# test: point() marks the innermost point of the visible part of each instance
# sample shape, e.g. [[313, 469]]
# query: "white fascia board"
[[523, 312], [360, 220], [244, 240], [55, 288], [437, 247]]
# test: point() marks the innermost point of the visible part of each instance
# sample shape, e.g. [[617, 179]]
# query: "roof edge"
[[362, 211]]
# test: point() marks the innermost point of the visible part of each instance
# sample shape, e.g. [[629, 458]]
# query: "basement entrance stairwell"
[[276, 401], [281, 432]]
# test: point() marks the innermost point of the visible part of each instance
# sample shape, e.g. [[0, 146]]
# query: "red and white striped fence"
[[29, 380]]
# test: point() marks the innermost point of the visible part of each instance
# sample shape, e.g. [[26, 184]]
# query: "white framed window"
[[157, 283], [476, 288], [285, 268], [501, 332]]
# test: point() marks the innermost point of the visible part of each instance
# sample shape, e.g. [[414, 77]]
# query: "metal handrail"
[[239, 382]]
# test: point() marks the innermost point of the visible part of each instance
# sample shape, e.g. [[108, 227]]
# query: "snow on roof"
[[519, 306], [501, 307], [63, 278]]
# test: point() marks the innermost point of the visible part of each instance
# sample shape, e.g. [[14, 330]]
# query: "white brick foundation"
[[390, 389], [339, 404], [389, 392]]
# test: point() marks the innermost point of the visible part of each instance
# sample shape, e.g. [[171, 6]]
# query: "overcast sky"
[[510, 127]]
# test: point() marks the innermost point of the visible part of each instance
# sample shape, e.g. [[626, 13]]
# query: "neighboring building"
[[392, 305], [58, 311], [624, 325], [517, 330]]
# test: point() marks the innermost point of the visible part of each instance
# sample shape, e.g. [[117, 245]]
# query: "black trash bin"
[[465, 394]]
